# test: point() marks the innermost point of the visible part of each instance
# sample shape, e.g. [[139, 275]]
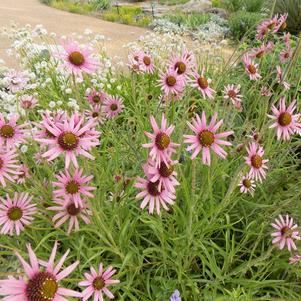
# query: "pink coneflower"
[[8, 165], [28, 102], [181, 64], [280, 79], [161, 145], [262, 50], [23, 174], [171, 83], [97, 283], [152, 196], [40, 284], [68, 211], [78, 59], [294, 259], [286, 122], [286, 233], [96, 113], [265, 91], [232, 92], [72, 138], [251, 68], [247, 185], [134, 59], [96, 98], [281, 22], [256, 162], [16, 212], [287, 53], [73, 187], [200, 82], [16, 80], [113, 106], [164, 175], [265, 27], [206, 138], [10, 132], [146, 63]]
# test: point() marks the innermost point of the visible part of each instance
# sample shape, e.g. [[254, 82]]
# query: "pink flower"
[[280, 79], [96, 98], [28, 102], [72, 138], [281, 22], [206, 138], [8, 165], [16, 80], [68, 211], [181, 64], [97, 283], [171, 83], [134, 61], [145, 62], [232, 92], [164, 175], [78, 59], [152, 196], [73, 187], [295, 259], [256, 162], [16, 212], [286, 233], [287, 53], [23, 174], [265, 27], [10, 132], [161, 145], [200, 82], [264, 91], [113, 106], [251, 68], [286, 122], [39, 284], [260, 51], [96, 113], [247, 185]]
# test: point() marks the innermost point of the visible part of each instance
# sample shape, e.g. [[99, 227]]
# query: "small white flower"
[[52, 104], [24, 149], [68, 91]]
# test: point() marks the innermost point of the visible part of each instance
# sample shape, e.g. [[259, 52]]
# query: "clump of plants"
[[175, 179]]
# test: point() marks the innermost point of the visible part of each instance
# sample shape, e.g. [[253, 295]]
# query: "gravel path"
[[33, 12]]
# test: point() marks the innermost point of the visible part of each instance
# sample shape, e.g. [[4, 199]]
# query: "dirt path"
[[63, 23]]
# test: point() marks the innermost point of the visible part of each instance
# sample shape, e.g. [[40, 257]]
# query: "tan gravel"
[[63, 23]]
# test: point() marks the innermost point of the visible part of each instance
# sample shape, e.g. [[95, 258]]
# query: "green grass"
[[172, 2]]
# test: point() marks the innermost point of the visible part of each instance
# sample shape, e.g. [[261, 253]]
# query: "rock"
[[217, 11], [196, 6]]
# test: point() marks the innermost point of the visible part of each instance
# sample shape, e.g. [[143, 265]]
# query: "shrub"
[[293, 8], [101, 4], [241, 22], [239, 5]]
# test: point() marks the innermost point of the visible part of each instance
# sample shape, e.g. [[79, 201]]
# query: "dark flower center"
[[206, 138], [15, 213], [98, 283], [283, 26], [171, 81], [68, 141], [95, 114], [256, 161], [180, 67], [152, 188], [284, 119], [271, 25], [165, 171], [247, 183], [26, 104], [286, 55], [232, 94], [114, 107], [260, 54], [146, 60], [7, 131], [285, 231], [72, 210], [96, 99], [252, 69], [76, 58], [41, 287], [203, 83], [162, 141], [1, 163], [72, 187]]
